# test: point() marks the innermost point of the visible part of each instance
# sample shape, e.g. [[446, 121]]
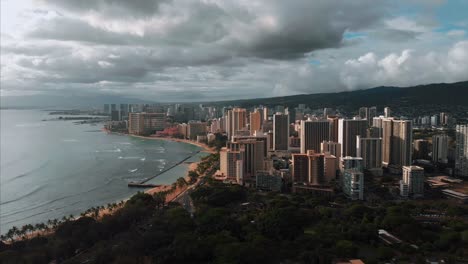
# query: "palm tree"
[[10, 234], [181, 182], [15, 231]]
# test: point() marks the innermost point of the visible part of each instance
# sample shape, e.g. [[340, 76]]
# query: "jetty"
[[143, 184]]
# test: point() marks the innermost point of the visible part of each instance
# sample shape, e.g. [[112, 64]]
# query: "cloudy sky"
[[188, 50]]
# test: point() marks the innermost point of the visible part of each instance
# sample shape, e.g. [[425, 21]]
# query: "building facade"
[[349, 129], [461, 151], [313, 133], [280, 131], [412, 183]]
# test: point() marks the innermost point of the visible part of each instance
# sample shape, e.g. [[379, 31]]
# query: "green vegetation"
[[219, 141], [236, 225]]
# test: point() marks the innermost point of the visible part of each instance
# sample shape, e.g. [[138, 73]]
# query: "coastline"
[[171, 196], [187, 141]]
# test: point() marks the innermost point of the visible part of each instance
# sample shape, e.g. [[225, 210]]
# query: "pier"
[[143, 184]]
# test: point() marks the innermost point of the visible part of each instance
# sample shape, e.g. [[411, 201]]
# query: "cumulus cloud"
[[407, 68]]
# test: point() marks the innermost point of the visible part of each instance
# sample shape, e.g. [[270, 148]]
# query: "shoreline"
[[151, 191], [187, 141]]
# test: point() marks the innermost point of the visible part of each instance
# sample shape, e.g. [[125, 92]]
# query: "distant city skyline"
[[217, 50]]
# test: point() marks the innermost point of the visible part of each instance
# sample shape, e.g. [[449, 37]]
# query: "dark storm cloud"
[[134, 8], [277, 29]]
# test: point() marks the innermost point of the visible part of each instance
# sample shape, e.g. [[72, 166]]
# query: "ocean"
[[51, 169]]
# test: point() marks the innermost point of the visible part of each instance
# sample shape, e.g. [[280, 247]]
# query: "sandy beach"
[[201, 145]]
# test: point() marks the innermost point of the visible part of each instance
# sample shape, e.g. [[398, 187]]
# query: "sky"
[[188, 50]]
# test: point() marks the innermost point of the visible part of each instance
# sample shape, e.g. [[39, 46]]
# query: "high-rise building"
[[254, 155], [461, 151], [332, 148], [228, 162], [313, 168], [255, 121], [440, 148], [370, 150], [313, 133], [260, 138], [371, 114], [387, 112], [236, 119], [353, 184], [435, 120], [333, 128], [421, 149], [115, 115], [363, 112], [196, 128], [316, 168], [444, 117], [106, 109], [113, 107], [135, 123], [280, 131], [378, 121], [265, 113], [412, 183], [402, 140], [347, 132], [300, 168], [124, 111], [355, 163], [146, 123], [397, 138]]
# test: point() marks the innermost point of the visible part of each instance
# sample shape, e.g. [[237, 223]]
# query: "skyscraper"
[[387, 112], [412, 183], [401, 147], [253, 154], [300, 168], [236, 119], [313, 168], [354, 163], [371, 114], [228, 162], [363, 113], [280, 131], [421, 149], [255, 121], [316, 168], [332, 148], [440, 148], [397, 141], [265, 113], [461, 152], [333, 128], [370, 150], [313, 133], [347, 132], [106, 109]]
